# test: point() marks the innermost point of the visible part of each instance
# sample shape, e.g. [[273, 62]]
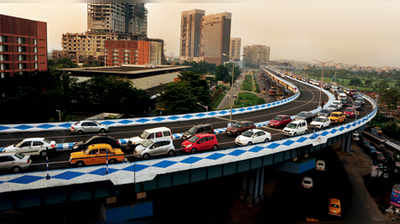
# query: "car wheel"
[[171, 153], [146, 156], [250, 143], [43, 153], [215, 147], [80, 132], [102, 130], [80, 163], [266, 140], [194, 150], [112, 161], [16, 169]]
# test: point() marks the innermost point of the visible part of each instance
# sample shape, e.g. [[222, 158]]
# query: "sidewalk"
[[226, 101]]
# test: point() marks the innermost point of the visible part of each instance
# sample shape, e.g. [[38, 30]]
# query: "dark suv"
[[98, 139], [238, 127], [201, 128]]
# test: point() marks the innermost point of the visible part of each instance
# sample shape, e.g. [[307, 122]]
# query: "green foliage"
[[248, 99], [391, 97], [355, 82], [183, 96], [201, 67], [247, 83], [224, 72]]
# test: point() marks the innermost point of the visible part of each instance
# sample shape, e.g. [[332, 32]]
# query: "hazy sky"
[[364, 32]]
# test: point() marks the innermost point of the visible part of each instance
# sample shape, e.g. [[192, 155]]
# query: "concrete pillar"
[[346, 142], [253, 186]]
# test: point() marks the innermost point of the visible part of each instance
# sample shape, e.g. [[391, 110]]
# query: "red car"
[[280, 121], [350, 112], [200, 142]]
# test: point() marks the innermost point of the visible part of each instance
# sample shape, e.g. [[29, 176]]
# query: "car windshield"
[[47, 140], [193, 139], [19, 144], [335, 115], [349, 110], [323, 112], [144, 135], [334, 206], [247, 134], [278, 118], [236, 125], [307, 182], [146, 143], [292, 125], [192, 130], [302, 114], [320, 119], [19, 155]]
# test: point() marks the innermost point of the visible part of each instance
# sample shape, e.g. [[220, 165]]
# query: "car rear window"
[[19, 155]]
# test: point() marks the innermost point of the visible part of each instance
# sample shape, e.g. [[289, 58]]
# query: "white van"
[[153, 134], [296, 127], [342, 96]]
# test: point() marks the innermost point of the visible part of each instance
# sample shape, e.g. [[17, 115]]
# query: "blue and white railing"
[[142, 171]]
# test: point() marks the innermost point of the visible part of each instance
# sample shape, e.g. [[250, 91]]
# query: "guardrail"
[[53, 126]]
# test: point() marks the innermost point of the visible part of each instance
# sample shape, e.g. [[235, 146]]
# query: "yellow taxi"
[[97, 154], [337, 117], [335, 207]]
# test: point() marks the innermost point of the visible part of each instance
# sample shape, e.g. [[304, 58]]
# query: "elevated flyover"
[[144, 176]]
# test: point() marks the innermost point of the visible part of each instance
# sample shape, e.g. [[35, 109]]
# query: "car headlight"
[[188, 146]]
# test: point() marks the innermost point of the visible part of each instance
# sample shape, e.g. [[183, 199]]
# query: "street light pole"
[[323, 63], [233, 73]]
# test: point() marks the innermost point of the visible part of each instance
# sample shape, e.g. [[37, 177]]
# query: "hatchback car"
[[350, 112], [197, 129], [32, 146], [98, 139], [320, 122], [304, 115], [239, 127], [324, 113], [97, 154], [280, 121], [253, 136], [200, 142], [14, 161], [149, 148], [81, 127]]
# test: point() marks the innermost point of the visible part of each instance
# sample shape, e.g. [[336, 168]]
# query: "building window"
[[20, 66], [36, 57], [36, 65], [35, 50], [2, 67], [3, 39]]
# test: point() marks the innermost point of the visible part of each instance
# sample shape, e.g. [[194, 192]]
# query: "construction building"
[[255, 55], [235, 47]]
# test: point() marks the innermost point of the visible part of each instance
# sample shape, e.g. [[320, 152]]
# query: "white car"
[[14, 161], [148, 148], [153, 134], [320, 165], [320, 122], [81, 127], [32, 146], [307, 183], [338, 104], [296, 127], [253, 136]]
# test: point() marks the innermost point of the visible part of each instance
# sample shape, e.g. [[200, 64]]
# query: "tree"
[[355, 82], [368, 83], [222, 74], [183, 96]]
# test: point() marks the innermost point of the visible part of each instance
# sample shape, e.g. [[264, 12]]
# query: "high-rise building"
[[190, 34], [117, 16], [256, 55], [236, 44], [215, 37], [23, 45], [139, 52]]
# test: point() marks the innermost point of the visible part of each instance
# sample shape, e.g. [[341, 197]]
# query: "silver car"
[[81, 127], [14, 161], [148, 148]]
